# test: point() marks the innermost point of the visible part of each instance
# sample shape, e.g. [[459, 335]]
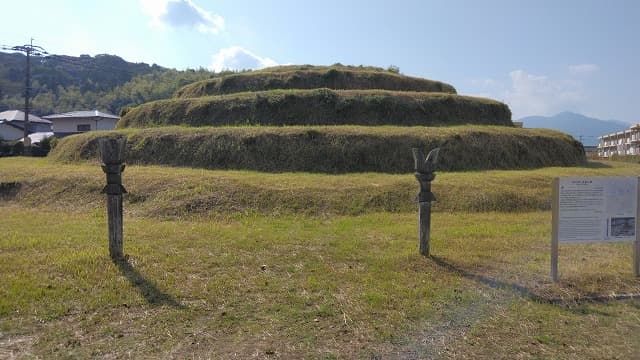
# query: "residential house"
[[620, 143], [9, 131], [12, 124], [81, 121]]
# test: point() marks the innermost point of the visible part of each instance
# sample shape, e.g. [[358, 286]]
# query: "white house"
[[81, 121], [12, 124]]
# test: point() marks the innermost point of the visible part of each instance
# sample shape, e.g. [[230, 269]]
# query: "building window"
[[84, 127]]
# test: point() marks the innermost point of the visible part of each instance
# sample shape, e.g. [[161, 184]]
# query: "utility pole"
[[28, 50]]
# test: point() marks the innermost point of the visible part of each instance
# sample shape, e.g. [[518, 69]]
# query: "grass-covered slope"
[[161, 192], [321, 107], [339, 149], [312, 77]]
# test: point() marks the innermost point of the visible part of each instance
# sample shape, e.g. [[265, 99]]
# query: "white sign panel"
[[597, 209]]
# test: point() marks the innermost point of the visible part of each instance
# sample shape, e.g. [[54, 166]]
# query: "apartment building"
[[621, 143]]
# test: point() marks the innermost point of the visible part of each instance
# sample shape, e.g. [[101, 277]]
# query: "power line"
[[29, 50]]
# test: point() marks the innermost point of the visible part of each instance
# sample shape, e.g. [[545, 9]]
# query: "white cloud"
[[539, 95], [583, 68], [486, 83], [238, 58], [154, 8], [182, 13]]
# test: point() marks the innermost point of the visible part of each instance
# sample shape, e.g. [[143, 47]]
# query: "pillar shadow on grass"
[[597, 165], [496, 284], [147, 288], [526, 292]]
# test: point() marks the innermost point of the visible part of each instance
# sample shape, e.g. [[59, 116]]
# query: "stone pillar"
[[112, 154], [425, 173]]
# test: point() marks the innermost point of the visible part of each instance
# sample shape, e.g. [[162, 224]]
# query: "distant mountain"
[[579, 126]]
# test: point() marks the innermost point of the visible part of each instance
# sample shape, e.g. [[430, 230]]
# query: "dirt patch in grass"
[[16, 346]]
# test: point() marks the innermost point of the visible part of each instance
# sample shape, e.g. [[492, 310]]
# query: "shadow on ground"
[[596, 165], [147, 288], [527, 292]]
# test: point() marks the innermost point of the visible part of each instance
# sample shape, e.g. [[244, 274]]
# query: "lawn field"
[[343, 280]]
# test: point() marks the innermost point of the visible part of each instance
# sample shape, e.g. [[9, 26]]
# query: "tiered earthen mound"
[[308, 95], [394, 113]]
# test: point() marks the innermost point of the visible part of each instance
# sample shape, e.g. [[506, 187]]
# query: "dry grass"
[[254, 284], [337, 149], [312, 77], [321, 107], [156, 191], [291, 287]]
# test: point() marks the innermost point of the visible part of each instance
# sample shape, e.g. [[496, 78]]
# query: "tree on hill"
[[104, 82]]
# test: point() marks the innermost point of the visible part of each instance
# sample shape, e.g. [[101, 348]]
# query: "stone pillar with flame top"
[[112, 152], [425, 173]]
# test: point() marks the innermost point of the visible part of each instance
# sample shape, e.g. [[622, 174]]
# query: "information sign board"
[[595, 209]]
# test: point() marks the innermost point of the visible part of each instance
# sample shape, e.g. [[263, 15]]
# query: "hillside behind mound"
[[338, 149], [312, 77], [321, 107], [103, 82]]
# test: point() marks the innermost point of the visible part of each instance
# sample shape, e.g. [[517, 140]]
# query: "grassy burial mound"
[[312, 77], [321, 107], [339, 149]]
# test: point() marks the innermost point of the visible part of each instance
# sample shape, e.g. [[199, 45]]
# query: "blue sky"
[[540, 57]]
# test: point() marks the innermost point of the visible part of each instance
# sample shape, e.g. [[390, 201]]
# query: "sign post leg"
[[636, 257], [554, 260], [555, 205], [636, 243]]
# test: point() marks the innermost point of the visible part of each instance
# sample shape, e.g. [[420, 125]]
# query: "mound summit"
[[336, 77]]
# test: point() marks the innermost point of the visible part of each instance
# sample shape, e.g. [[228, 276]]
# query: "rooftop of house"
[[12, 124], [17, 115], [81, 114]]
